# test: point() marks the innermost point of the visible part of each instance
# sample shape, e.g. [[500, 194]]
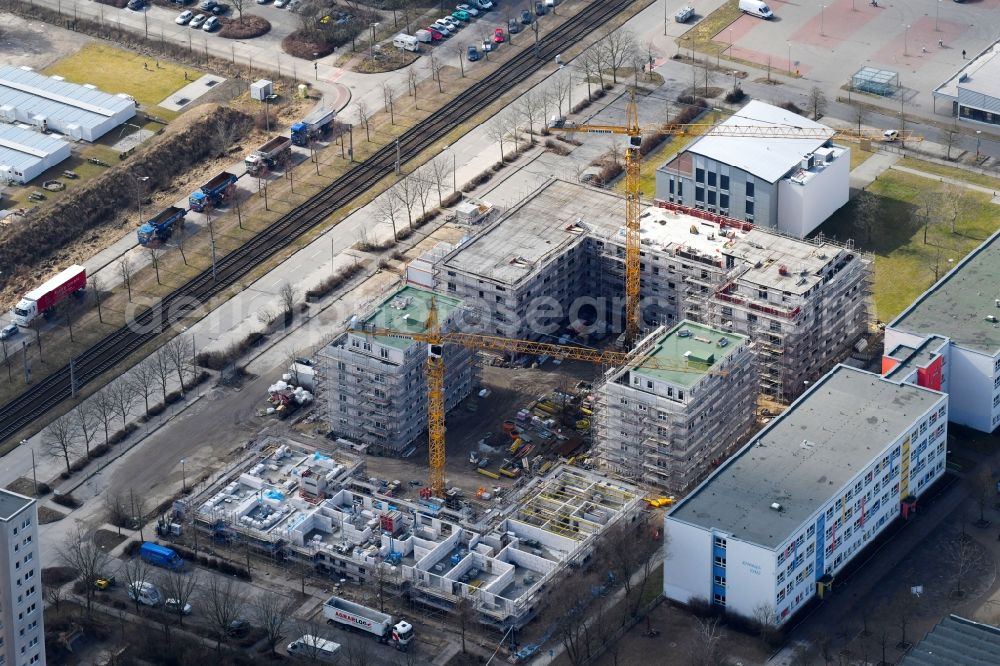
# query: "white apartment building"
[[949, 339], [788, 184], [375, 387], [22, 631], [667, 427], [774, 525]]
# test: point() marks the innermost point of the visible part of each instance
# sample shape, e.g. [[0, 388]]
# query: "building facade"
[[773, 526], [667, 428], [22, 630], [375, 387], [787, 184], [949, 339], [973, 92]]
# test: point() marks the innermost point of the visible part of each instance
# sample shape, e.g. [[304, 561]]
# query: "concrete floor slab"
[[191, 92]]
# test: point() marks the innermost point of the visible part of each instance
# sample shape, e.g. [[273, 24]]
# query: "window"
[[749, 208], [720, 542], [719, 599], [724, 201], [670, 186], [711, 197], [699, 193], [711, 179], [699, 175], [749, 188], [680, 188], [724, 183], [720, 581], [720, 561]]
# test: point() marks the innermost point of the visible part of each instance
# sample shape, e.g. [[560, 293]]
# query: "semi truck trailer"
[[271, 154], [215, 192], [40, 300], [318, 123], [370, 621]]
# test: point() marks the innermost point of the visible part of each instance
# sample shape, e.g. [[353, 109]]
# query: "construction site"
[[302, 505]]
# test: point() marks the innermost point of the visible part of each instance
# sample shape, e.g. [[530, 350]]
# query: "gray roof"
[[12, 503], [980, 75], [770, 158], [554, 217], [21, 148], [956, 641], [804, 456], [60, 101], [957, 306]]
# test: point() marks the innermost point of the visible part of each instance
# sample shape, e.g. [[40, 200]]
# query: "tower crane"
[[434, 371], [633, 160]]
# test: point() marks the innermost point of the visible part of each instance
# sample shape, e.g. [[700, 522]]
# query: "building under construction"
[[375, 388], [660, 427], [555, 262]]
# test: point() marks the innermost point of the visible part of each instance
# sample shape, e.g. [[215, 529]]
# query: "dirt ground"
[[34, 43], [510, 390]]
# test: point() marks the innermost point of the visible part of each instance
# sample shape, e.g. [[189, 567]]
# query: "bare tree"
[[497, 130], [927, 209], [178, 353], [704, 648], [460, 52], [464, 615], [560, 90], [387, 209], [125, 268], [763, 615], [440, 170], [388, 95], [982, 487], [97, 284], [867, 207], [59, 439], [142, 379], [272, 613], [224, 136], [104, 410], [154, 258], [117, 510], [950, 136], [364, 117], [224, 602], [528, 107], [435, 64], [406, 193], [624, 550], [161, 363], [955, 203], [616, 49], [87, 421], [238, 6], [289, 296], [357, 649], [382, 580], [64, 310], [817, 102], [137, 573], [422, 183], [123, 397], [570, 603], [411, 84], [312, 636], [82, 554]]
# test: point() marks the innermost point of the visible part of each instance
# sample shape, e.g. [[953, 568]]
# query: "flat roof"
[[766, 253], [911, 358], [956, 641], [68, 103], [804, 456], [980, 75], [406, 311], [22, 148], [11, 504], [958, 304], [769, 158], [688, 345]]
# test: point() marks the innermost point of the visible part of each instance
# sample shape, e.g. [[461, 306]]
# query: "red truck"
[[40, 300]]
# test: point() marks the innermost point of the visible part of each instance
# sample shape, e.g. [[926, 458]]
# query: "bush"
[[610, 171], [120, 4], [43, 489], [427, 217], [791, 106], [497, 166], [736, 95], [580, 106], [173, 397], [651, 142], [484, 177], [452, 199], [157, 409], [556, 148], [78, 465], [65, 475], [404, 233], [132, 548], [245, 27], [99, 450], [332, 282], [67, 500], [121, 435], [217, 360]]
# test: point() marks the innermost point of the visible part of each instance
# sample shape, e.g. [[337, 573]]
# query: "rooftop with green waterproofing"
[[406, 311], [693, 349]]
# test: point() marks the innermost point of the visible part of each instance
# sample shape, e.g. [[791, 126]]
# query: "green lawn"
[[115, 71], [904, 265], [700, 36], [858, 156], [957, 173]]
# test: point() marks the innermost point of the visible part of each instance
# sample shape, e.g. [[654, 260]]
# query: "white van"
[[423, 36], [406, 42], [756, 8], [145, 593], [314, 648]]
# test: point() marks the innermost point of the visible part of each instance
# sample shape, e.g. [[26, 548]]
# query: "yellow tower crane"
[[434, 371], [633, 160]]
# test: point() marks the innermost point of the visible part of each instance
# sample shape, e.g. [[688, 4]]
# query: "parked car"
[[436, 33], [198, 21], [174, 605], [184, 17], [462, 15], [136, 5], [472, 55], [206, 5], [468, 9], [8, 331], [484, 4], [261, 2], [220, 10], [526, 17], [890, 135], [540, 9], [513, 27], [211, 24], [487, 45], [498, 36], [442, 27], [238, 628], [280, 3]]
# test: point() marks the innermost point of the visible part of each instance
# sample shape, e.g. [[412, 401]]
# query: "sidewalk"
[[946, 179], [868, 171]]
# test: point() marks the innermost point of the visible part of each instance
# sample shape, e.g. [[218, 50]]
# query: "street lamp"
[[184, 485], [937, 14], [979, 139], [371, 46], [789, 58], [316, 65], [821, 8], [906, 35], [139, 192], [454, 168]]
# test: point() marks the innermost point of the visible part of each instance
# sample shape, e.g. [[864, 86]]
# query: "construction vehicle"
[[368, 620], [633, 159], [159, 227], [41, 300], [317, 124], [272, 154], [214, 193]]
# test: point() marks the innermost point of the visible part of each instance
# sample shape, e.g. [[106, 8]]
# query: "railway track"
[[118, 345]]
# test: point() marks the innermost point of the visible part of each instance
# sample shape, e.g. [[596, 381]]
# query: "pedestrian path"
[[868, 171], [946, 179]]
